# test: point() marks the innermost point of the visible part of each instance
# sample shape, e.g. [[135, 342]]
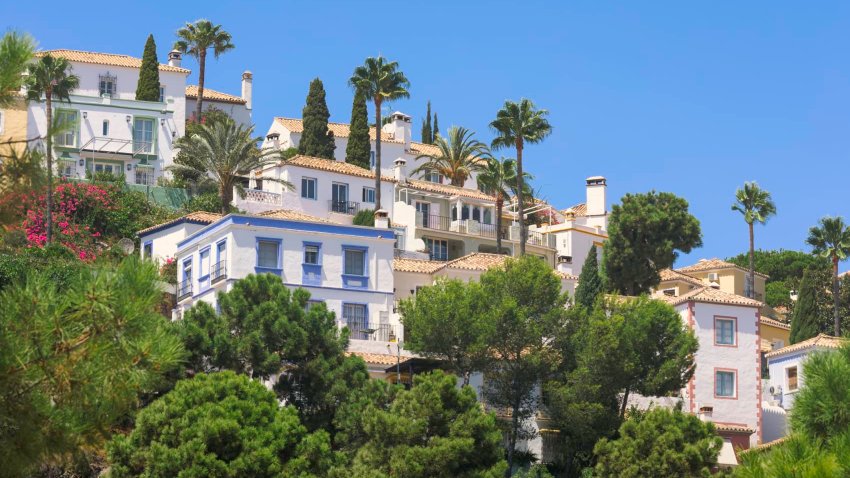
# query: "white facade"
[[237, 107], [109, 129]]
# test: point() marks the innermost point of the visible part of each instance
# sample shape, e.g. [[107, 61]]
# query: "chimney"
[[400, 128], [398, 170], [247, 87], [174, 58], [596, 196], [382, 219], [274, 138], [565, 265]]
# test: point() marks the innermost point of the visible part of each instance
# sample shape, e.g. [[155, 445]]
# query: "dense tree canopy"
[[589, 282], [805, 322], [147, 89], [358, 150], [316, 140], [785, 270]]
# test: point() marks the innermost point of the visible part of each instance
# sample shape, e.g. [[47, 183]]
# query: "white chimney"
[[400, 128], [274, 138], [596, 196], [382, 219], [398, 169], [247, 87], [174, 58], [565, 265]]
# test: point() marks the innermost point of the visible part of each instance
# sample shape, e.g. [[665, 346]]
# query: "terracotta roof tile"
[[732, 427], [477, 261], [377, 359], [564, 275], [775, 323], [293, 215], [708, 295], [422, 148], [578, 210], [109, 59], [447, 189], [416, 265], [212, 95], [819, 341], [332, 166], [705, 265], [340, 130], [199, 217], [669, 275]]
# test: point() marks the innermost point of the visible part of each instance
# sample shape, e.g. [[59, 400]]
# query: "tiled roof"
[[377, 359], [199, 217], [447, 189], [713, 264], [731, 427], [775, 323], [340, 130], [422, 148], [109, 59], [564, 275], [668, 275], [578, 210], [821, 340], [293, 215], [212, 95], [477, 261], [416, 265], [333, 166], [709, 295]]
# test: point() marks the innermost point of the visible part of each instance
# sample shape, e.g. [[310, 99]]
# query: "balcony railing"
[[363, 330], [218, 272], [344, 207], [537, 239], [184, 289], [256, 195], [463, 226]]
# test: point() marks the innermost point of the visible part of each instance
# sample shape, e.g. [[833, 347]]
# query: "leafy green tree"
[[804, 319], [660, 442], [62, 344], [436, 131], [781, 264], [209, 202], [16, 51], [221, 424], [756, 205], [381, 81], [526, 309], [460, 155], [645, 232], [195, 39], [831, 239], [499, 179], [427, 134], [516, 125], [227, 152], [797, 456], [316, 140], [433, 429], [450, 321], [589, 281], [148, 87], [364, 217], [359, 148], [50, 77]]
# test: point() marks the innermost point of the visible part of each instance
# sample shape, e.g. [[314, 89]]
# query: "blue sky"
[[671, 96]]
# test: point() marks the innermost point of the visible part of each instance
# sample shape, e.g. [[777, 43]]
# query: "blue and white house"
[[347, 267]]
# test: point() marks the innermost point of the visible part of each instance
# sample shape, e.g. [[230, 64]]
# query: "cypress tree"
[[147, 89], [316, 139], [436, 129], [359, 146], [804, 318], [589, 281], [427, 137]]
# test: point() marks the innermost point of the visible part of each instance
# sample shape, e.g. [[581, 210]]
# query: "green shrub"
[[364, 217]]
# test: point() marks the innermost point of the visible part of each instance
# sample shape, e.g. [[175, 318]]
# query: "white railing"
[[256, 195]]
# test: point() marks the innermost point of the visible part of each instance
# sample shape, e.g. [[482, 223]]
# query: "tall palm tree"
[[499, 179], [756, 205], [515, 125], [831, 239], [227, 152], [379, 80], [16, 51], [195, 39], [50, 77], [460, 155]]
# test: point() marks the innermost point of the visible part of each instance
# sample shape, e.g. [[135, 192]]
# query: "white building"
[[109, 130], [237, 107], [785, 367]]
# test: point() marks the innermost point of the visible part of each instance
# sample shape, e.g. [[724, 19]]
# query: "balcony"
[[218, 272], [344, 207], [363, 330], [265, 197], [537, 239], [464, 226], [184, 289]]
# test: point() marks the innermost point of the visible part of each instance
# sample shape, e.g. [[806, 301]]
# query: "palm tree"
[[195, 39], [16, 51], [460, 155], [756, 205], [831, 240], [515, 125], [380, 80], [227, 152], [50, 77], [499, 179]]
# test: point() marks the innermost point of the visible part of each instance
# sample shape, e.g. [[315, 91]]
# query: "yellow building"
[[13, 127], [728, 277], [774, 334]]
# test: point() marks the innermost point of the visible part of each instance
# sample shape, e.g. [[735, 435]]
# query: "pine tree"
[[589, 281], [804, 318], [427, 137], [316, 140], [436, 129], [359, 146], [148, 87]]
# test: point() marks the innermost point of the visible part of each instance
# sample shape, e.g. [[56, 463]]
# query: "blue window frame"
[[356, 318], [312, 263], [147, 250], [355, 267], [221, 250], [308, 188], [269, 255], [186, 282], [204, 268], [368, 194]]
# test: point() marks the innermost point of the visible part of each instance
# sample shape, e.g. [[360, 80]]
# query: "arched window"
[[487, 217], [476, 214]]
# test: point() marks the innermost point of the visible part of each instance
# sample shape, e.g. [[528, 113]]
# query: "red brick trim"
[[692, 387], [758, 379]]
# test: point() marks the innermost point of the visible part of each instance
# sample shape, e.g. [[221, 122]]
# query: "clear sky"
[[671, 96]]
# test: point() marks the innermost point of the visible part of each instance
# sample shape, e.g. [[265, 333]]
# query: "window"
[[268, 253], [368, 194], [354, 316], [143, 135], [108, 168], [791, 377], [398, 232], [669, 292], [107, 85], [354, 262], [311, 254], [161, 94], [66, 121], [724, 383], [488, 218], [312, 303], [464, 213], [67, 168], [308, 188], [434, 177], [187, 270], [476, 214], [147, 250], [724, 331], [371, 159], [105, 128], [258, 184], [439, 249], [220, 251], [144, 175], [204, 265]]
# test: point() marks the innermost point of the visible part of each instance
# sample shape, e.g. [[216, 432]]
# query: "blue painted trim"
[[366, 291], [279, 242], [311, 269], [347, 279], [144, 246], [203, 276], [306, 226], [191, 262], [318, 256], [218, 249], [168, 225]]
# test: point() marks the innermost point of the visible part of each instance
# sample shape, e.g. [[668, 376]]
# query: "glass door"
[[425, 209], [339, 197]]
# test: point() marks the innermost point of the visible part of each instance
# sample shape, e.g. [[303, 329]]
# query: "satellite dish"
[[127, 246]]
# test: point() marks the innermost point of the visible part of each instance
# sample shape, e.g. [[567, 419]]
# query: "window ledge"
[[268, 270], [350, 281]]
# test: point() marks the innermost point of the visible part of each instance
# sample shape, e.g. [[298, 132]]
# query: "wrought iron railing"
[[184, 289], [218, 272], [537, 239], [433, 221], [344, 207], [360, 329]]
